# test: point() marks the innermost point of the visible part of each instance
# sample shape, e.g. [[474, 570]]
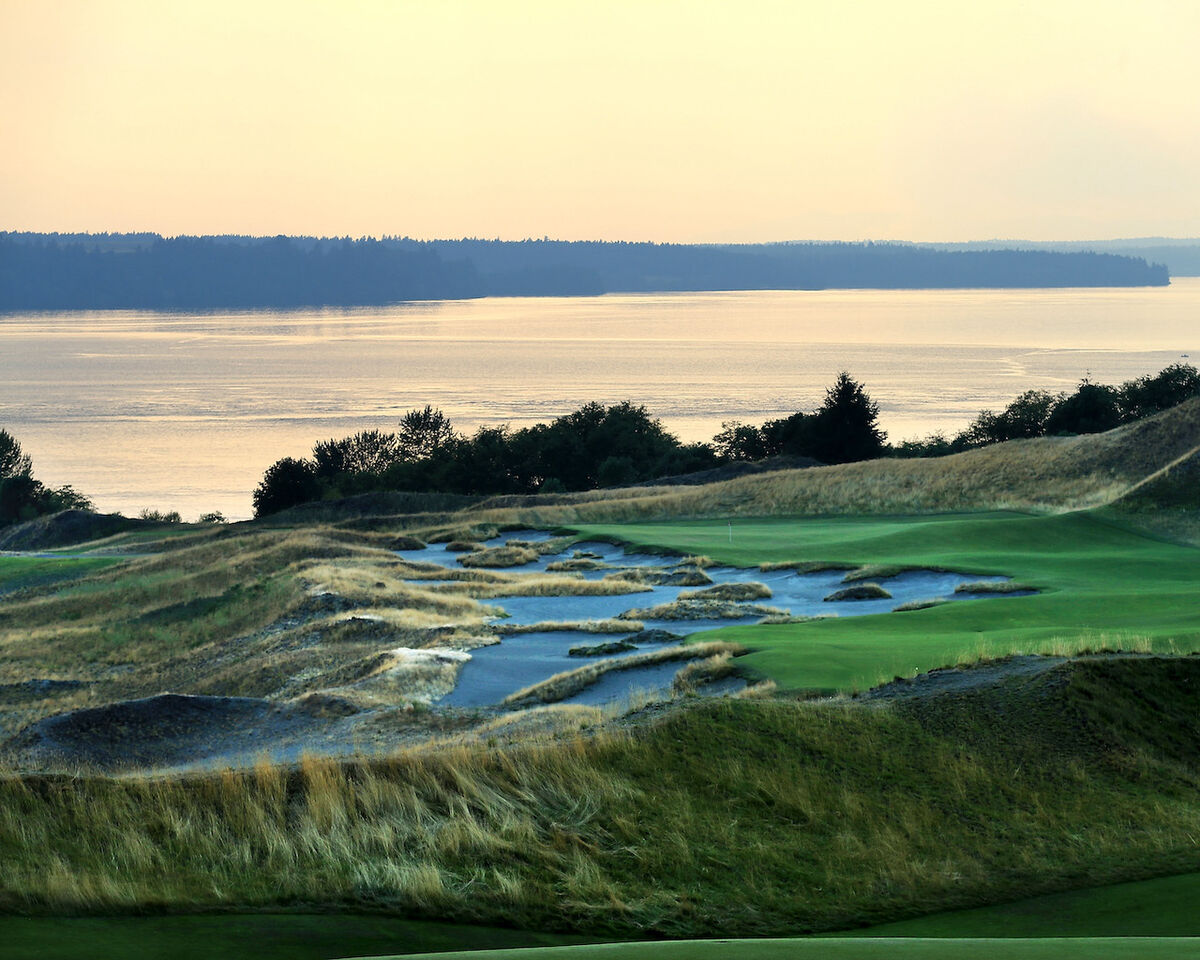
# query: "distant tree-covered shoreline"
[[146, 271]]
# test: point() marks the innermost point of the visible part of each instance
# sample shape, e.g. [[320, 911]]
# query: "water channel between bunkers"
[[522, 659]]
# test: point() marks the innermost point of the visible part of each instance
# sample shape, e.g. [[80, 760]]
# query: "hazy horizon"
[[766, 121], [100, 231]]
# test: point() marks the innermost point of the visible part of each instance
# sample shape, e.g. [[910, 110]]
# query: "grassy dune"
[[243, 612], [737, 817], [1048, 473], [1103, 585]]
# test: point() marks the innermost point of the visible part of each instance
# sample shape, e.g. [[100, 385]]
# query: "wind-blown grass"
[[737, 817], [569, 682]]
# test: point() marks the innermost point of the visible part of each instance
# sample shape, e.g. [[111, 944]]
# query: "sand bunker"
[[540, 630]]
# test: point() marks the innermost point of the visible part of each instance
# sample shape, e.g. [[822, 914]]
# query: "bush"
[[616, 472], [287, 483], [1093, 408], [740, 441], [158, 516], [1148, 395]]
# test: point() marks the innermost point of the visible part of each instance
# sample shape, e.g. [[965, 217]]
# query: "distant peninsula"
[[51, 271]]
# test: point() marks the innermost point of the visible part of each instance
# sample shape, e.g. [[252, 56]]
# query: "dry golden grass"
[[500, 557], [1101, 643], [919, 605], [737, 592], [805, 566], [577, 564], [568, 683], [701, 609], [1048, 473], [548, 585], [993, 586], [733, 817], [875, 571], [795, 617], [696, 673], [860, 591], [582, 626]]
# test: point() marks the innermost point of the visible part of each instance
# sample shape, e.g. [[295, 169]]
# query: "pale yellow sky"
[[688, 121]]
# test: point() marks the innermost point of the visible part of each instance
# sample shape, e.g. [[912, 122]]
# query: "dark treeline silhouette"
[[202, 273], [22, 496], [1091, 408], [594, 446], [620, 445], [1181, 257], [99, 271], [586, 267]]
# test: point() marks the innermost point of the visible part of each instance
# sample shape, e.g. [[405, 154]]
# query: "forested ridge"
[[147, 271]]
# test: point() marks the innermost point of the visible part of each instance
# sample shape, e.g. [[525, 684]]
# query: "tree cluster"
[[1090, 408], [196, 273], [104, 271], [22, 497], [594, 446], [609, 446]]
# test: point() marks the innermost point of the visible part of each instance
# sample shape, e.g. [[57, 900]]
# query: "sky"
[[669, 121]]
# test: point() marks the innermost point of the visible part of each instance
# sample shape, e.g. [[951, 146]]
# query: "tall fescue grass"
[[1047, 473], [735, 817], [570, 682], [1102, 643], [580, 626]]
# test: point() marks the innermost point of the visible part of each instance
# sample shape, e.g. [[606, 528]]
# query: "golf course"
[[243, 739]]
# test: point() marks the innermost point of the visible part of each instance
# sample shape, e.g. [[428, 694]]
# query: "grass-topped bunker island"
[[486, 724]]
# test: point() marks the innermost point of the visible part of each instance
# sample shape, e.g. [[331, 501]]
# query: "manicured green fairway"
[[17, 573], [1101, 584], [245, 937], [1050, 949], [1167, 906]]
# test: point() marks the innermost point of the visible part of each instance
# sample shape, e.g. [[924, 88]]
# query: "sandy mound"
[[167, 729]]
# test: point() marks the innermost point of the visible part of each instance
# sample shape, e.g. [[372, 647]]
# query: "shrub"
[[159, 516], [1093, 408], [287, 483]]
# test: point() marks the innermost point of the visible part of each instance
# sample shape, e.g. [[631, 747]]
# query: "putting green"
[[891, 949], [1101, 584], [1165, 906]]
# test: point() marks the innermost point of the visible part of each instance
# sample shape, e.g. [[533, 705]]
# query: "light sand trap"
[[521, 660]]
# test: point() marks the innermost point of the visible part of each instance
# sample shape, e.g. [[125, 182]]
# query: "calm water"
[[185, 411]]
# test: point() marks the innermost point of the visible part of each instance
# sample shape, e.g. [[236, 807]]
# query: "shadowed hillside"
[[727, 818], [1047, 473]]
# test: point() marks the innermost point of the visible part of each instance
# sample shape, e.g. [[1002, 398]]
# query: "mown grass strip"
[[19, 573], [266, 936], [1101, 585], [913, 949], [1162, 907]]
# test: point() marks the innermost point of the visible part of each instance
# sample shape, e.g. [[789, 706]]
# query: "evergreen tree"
[[846, 427]]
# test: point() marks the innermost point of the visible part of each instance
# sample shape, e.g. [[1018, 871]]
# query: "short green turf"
[[1162, 907], [1100, 582], [271, 936], [1046, 949], [18, 573]]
